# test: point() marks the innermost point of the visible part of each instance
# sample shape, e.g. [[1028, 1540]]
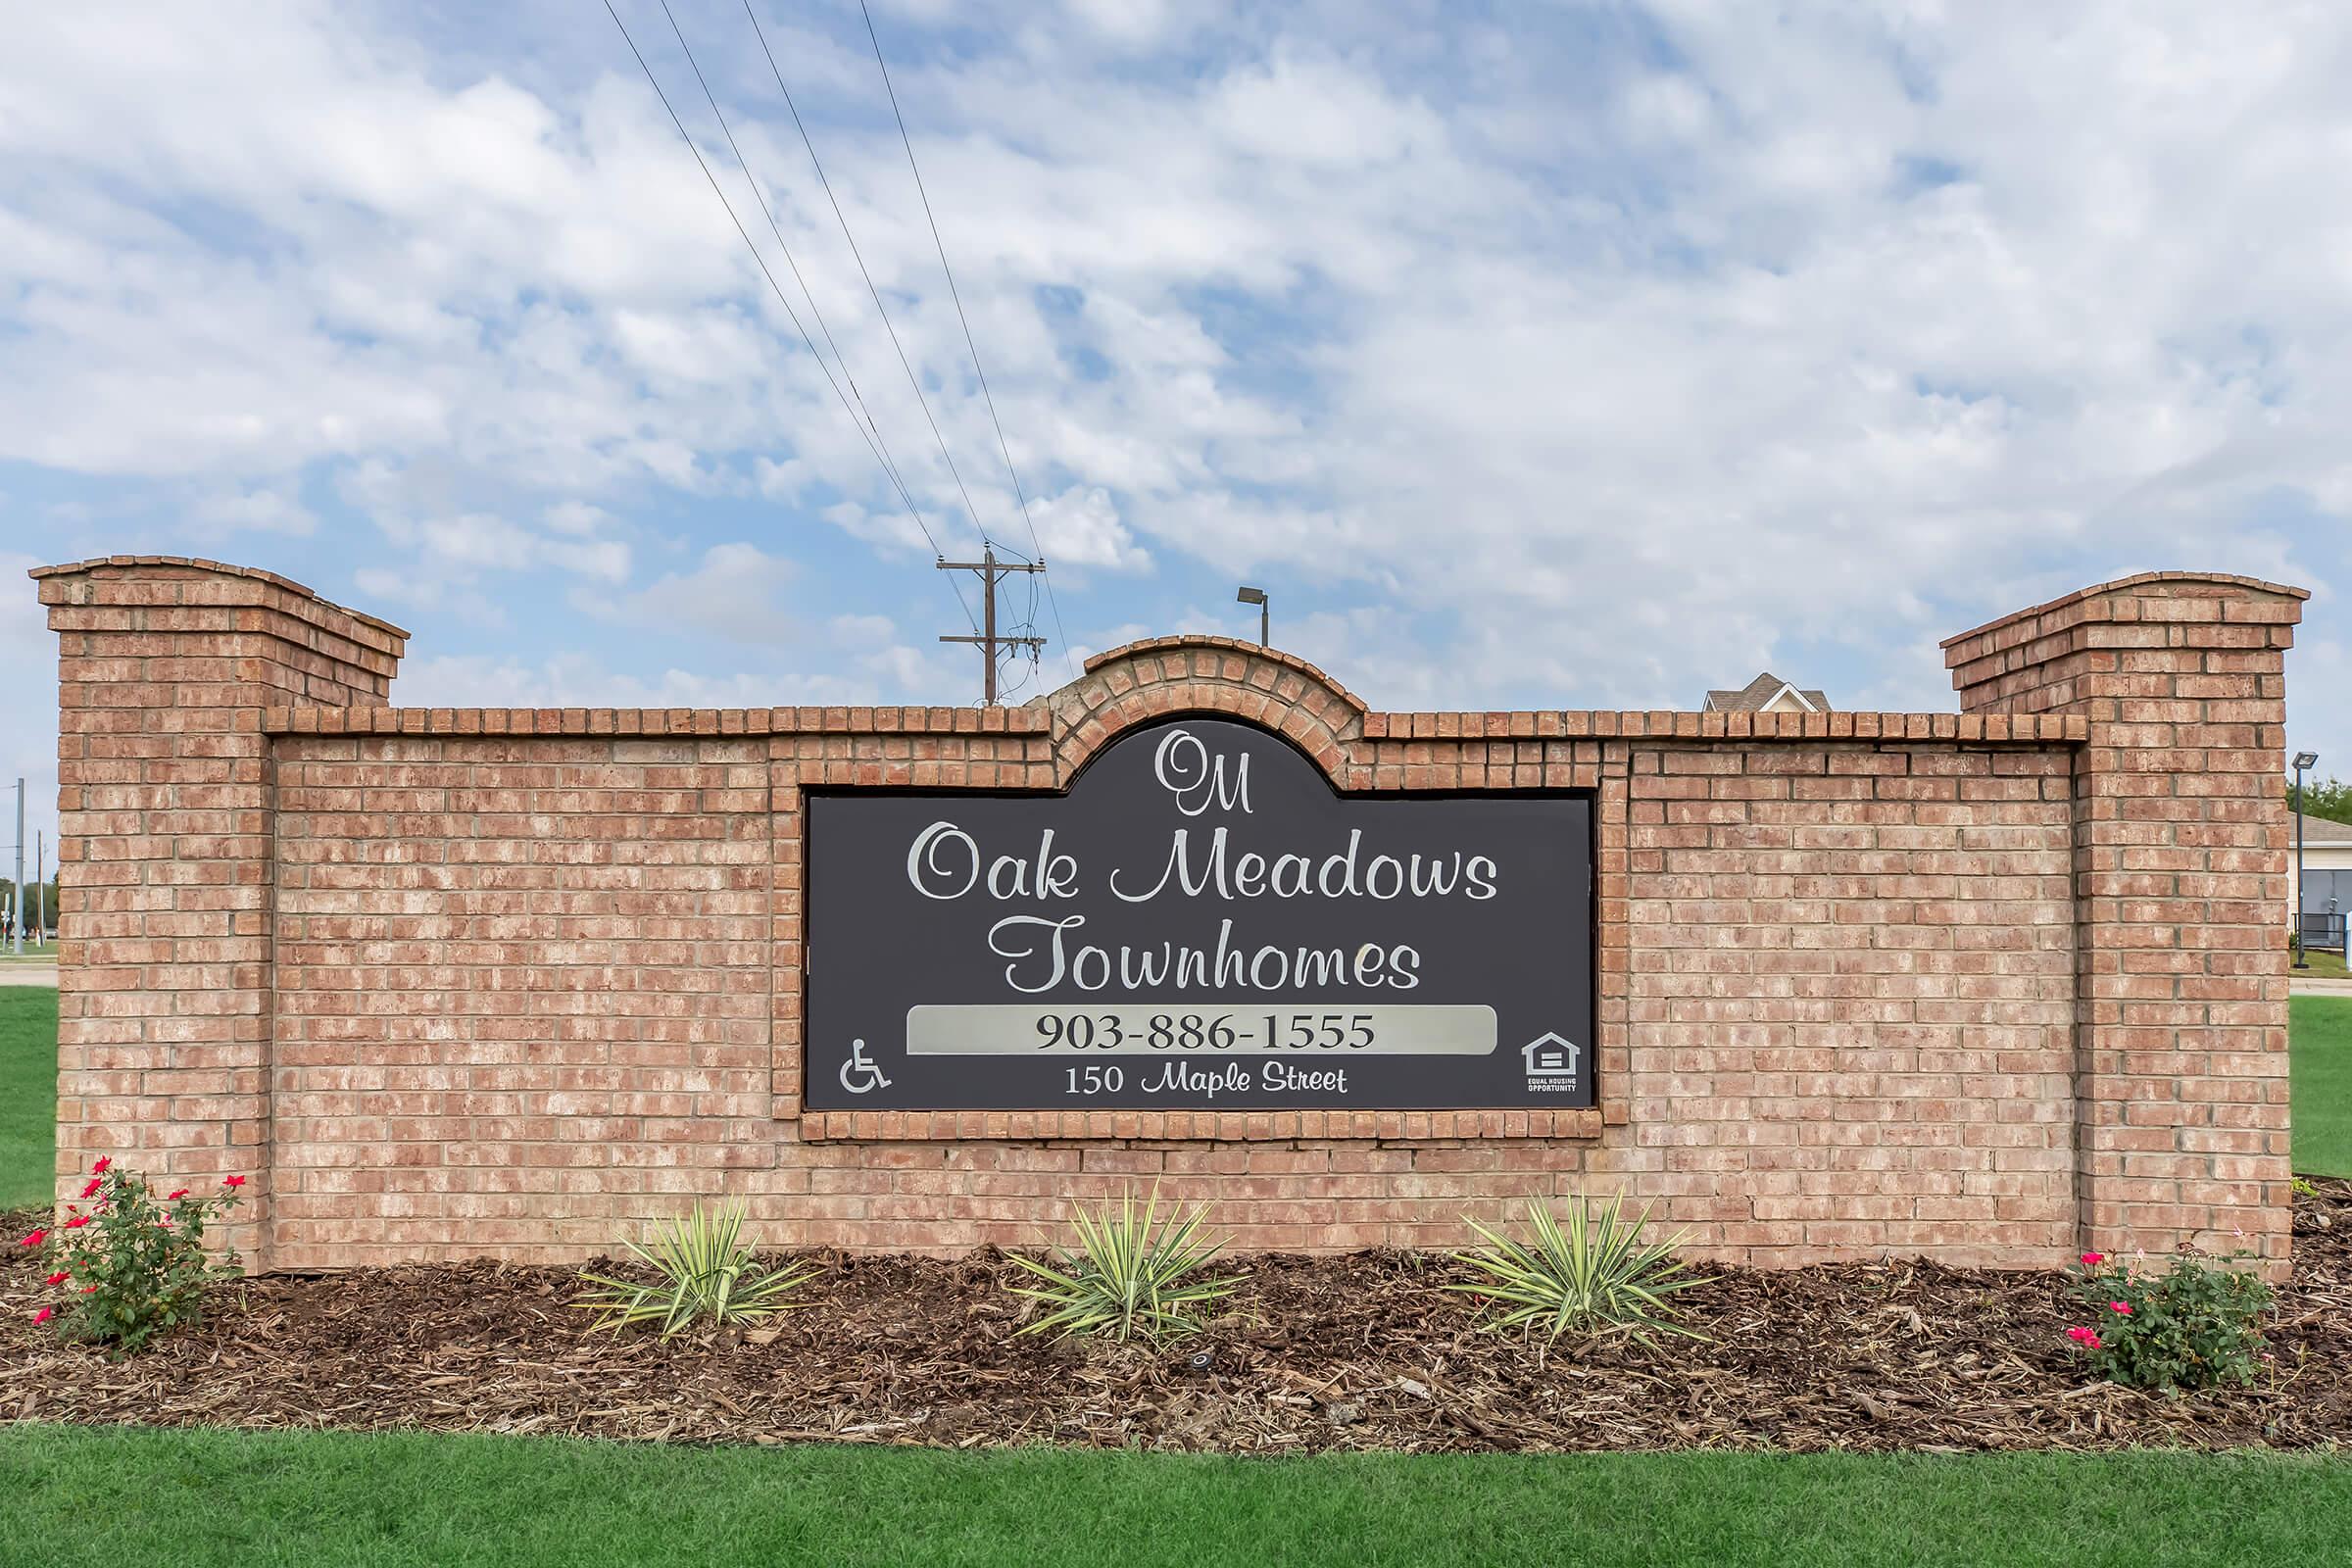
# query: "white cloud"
[[28, 707], [892, 672], [465, 546], [734, 593], [576, 519], [1082, 528], [256, 510], [1613, 354]]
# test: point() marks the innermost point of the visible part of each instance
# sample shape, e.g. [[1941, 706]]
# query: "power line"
[[767, 211], [872, 438], [881, 309], [956, 295]]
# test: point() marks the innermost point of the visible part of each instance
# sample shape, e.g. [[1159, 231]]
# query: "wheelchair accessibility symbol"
[[859, 1075]]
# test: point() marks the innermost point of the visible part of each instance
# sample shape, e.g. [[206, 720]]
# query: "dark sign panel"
[[1200, 923]]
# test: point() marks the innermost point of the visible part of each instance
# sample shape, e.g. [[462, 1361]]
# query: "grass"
[[28, 1095], [2324, 967], [2320, 1057], [197, 1498], [34, 953]]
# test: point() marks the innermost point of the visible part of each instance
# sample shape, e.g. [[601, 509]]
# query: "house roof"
[[2319, 830], [1753, 697]]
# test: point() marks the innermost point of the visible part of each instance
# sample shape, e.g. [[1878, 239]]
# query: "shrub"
[[704, 1272], [2191, 1327], [1127, 1277], [133, 1265], [1595, 1275]]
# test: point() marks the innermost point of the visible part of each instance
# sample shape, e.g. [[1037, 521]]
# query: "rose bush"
[[2190, 1327], [131, 1264]]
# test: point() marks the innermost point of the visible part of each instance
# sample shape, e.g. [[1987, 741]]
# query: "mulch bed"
[[1362, 1351]]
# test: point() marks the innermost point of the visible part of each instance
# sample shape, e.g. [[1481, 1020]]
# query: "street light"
[[1257, 597], [2303, 760]]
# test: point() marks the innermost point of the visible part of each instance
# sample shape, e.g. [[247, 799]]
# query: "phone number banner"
[[1200, 923]]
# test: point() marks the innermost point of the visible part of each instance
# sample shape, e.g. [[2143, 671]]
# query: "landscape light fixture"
[[2303, 760], [1257, 597]]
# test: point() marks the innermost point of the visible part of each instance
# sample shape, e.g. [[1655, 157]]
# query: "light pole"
[[1257, 597], [2303, 760]]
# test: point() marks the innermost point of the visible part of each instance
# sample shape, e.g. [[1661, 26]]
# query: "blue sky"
[[1560, 355]]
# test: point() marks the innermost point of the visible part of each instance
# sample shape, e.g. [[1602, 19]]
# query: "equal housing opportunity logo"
[[1551, 1062]]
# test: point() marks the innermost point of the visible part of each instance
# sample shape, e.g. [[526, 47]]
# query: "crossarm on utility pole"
[[991, 572]]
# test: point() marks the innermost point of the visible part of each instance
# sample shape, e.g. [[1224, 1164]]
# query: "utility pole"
[[15, 923], [991, 572], [40, 883]]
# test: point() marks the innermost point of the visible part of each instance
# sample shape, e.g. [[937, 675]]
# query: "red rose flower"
[[232, 1181], [36, 1239], [2093, 1260], [175, 1198], [58, 1277], [104, 1160], [43, 1315], [77, 1222], [95, 1183]]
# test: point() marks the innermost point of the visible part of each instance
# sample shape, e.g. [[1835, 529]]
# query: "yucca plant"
[[1593, 1275], [1128, 1276], [704, 1272]]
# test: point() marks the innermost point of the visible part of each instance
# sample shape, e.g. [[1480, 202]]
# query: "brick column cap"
[[298, 590], [2094, 605]]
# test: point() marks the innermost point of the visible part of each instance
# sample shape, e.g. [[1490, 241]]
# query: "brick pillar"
[[167, 821], [2181, 873]]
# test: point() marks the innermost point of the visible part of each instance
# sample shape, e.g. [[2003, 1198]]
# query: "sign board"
[[1201, 923]]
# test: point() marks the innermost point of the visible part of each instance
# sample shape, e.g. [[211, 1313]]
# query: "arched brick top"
[[1256, 651], [1161, 676]]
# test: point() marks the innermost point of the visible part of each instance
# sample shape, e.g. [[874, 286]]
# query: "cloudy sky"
[[1557, 355]]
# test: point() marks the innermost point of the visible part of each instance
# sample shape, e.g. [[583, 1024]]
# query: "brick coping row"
[[2212, 579], [1524, 724], [298, 590]]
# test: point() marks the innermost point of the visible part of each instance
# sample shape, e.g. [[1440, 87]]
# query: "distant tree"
[[41, 898], [2331, 800]]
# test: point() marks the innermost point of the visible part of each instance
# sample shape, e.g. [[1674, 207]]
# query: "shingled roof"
[[1751, 698], [2318, 830]]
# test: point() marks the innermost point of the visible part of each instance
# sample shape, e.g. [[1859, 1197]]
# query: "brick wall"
[[511, 981], [165, 808], [1851, 991], [2181, 867]]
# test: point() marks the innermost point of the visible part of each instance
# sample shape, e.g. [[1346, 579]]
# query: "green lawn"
[[2322, 966], [28, 1095], [34, 953], [2321, 1059], [110, 1497]]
